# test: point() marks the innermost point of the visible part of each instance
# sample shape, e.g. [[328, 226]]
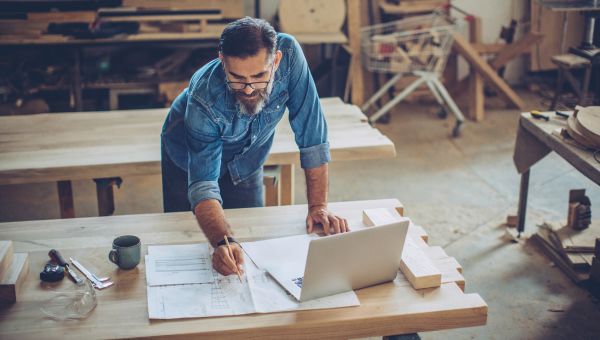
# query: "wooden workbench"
[[89, 145], [535, 140], [391, 308]]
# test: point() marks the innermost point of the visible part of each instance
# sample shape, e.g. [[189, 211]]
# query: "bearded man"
[[220, 129]]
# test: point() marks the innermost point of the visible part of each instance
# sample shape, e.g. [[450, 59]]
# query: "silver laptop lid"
[[353, 260]]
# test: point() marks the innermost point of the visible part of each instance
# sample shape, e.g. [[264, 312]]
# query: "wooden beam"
[[360, 80], [476, 94], [12, 280], [482, 48], [415, 265], [515, 49], [489, 74], [65, 199]]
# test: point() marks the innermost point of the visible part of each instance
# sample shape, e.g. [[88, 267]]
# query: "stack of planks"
[[14, 268], [153, 16], [423, 266], [584, 126], [571, 250]]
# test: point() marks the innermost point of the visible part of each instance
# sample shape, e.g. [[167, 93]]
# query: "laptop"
[[344, 262]]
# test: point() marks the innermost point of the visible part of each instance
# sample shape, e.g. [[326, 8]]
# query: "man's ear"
[[277, 59], [221, 56]]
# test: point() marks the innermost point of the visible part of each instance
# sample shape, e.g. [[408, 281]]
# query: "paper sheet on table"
[[225, 295], [271, 253], [178, 264]]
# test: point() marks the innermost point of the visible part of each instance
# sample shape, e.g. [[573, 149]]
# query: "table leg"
[[65, 199], [523, 201], [105, 194], [287, 184]]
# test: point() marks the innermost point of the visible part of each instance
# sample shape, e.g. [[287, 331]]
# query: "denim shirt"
[[206, 135]]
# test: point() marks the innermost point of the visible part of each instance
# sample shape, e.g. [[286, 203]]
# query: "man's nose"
[[248, 90]]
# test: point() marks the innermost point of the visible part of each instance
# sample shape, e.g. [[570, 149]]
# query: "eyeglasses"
[[257, 85]]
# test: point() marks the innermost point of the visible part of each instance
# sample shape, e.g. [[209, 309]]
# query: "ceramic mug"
[[126, 251]]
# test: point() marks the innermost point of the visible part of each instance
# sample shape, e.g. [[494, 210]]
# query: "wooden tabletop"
[[84, 145], [581, 159], [391, 308]]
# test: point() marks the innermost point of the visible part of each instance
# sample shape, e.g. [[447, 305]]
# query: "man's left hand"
[[332, 224]]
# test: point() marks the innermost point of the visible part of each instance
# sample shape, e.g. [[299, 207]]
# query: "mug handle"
[[113, 256]]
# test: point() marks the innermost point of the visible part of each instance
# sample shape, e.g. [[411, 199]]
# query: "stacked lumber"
[[403, 7], [584, 126], [146, 18], [422, 265], [571, 250], [14, 268]]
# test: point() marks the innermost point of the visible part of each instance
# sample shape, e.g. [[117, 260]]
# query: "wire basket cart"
[[417, 46]]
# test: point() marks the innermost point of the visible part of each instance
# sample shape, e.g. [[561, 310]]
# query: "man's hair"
[[245, 37]]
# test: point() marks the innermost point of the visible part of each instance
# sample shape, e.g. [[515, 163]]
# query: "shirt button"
[[277, 106]]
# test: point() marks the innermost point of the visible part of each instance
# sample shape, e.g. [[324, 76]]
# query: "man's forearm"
[[211, 219], [317, 186]]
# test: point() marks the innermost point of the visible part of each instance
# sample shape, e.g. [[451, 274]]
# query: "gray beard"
[[254, 108]]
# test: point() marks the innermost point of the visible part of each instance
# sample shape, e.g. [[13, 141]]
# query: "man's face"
[[255, 69]]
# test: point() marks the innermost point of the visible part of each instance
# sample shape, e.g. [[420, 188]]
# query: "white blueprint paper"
[[178, 264], [225, 295]]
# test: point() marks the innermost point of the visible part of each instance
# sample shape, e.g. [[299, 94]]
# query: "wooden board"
[[415, 265], [11, 282], [6, 256], [489, 74], [515, 49], [89, 145], [391, 308], [231, 9], [312, 16], [550, 24]]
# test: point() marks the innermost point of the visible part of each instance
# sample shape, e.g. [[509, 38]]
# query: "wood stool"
[[566, 63]]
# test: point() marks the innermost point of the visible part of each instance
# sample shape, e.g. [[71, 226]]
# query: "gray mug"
[[126, 251]]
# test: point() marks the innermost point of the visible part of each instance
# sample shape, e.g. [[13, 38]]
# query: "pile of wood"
[[584, 126], [153, 16], [14, 268], [571, 250]]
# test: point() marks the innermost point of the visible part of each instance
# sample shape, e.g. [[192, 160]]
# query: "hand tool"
[[57, 257], [561, 114], [52, 273], [538, 115], [98, 283]]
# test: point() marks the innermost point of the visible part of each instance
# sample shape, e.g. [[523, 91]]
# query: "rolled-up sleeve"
[[306, 115], [204, 155]]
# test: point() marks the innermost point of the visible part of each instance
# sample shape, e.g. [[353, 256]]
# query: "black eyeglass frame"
[[251, 84]]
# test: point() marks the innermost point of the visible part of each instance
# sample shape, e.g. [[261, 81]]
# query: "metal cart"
[[417, 46]]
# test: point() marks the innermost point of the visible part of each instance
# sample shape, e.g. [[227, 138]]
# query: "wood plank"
[[515, 49], [391, 308], [287, 184], [476, 90], [231, 9], [550, 24], [62, 17], [489, 74], [6, 256], [360, 80], [415, 265], [10, 285]]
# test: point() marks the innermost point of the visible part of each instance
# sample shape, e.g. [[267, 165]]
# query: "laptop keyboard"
[[298, 281]]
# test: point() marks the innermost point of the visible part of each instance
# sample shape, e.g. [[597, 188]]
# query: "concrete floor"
[[460, 190]]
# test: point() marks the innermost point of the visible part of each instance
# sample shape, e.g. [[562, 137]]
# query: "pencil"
[[237, 271]]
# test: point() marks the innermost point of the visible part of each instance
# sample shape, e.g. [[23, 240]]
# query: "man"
[[219, 130]]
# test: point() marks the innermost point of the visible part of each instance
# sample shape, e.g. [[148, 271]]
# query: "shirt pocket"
[[235, 131], [274, 111]]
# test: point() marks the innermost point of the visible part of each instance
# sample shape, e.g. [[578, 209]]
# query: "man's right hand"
[[224, 263]]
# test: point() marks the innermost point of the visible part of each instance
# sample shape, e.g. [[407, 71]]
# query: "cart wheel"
[[456, 129], [442, 114]]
